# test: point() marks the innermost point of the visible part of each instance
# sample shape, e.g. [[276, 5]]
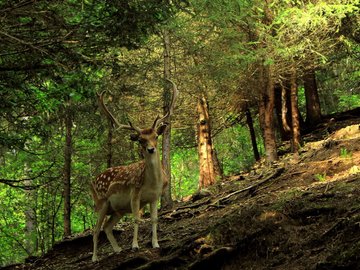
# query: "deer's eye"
[[142, 141]]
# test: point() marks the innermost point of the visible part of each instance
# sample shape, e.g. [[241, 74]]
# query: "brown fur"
[[147, 131]]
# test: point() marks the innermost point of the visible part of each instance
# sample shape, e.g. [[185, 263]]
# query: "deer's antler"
[[159, 119], [111, 117]]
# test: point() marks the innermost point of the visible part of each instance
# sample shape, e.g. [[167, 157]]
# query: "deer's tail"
[[95, 197]]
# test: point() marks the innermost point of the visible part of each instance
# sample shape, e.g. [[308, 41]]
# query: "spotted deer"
[[127, 189]]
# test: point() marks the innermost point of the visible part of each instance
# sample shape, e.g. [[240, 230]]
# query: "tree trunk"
[[30, 217], [295, 128], [205, 149], [250, 124], [283, 111], [266, 111], [67, 171], [166, 200], [313, 110], [217, 165], [278, 122], [55, 211], [286, 110]]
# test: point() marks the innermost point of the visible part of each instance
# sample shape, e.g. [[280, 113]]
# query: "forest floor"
[[301, 213]]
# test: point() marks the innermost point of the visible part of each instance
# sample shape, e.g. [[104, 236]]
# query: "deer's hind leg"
[[102, 214], [108, 228]]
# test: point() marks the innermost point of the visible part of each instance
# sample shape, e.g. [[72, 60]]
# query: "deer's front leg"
[[135, 208], [154, 221]]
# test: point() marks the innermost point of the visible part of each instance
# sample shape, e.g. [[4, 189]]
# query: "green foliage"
[[39, 127], [46, 199], [348, 101], [302, 101], [320, 177], [234, 149], [12, 223], [339, 88], [185, 172], [344, 153]]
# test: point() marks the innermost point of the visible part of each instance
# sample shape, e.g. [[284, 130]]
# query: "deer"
[[127, 189]]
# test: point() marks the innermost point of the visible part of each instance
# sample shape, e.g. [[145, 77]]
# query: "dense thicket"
[[241, 60]]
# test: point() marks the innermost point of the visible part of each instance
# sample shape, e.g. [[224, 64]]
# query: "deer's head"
[[146, 137]]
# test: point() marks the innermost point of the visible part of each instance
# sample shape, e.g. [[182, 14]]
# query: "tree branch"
[[25, 68], [17, 183], [23, 42]]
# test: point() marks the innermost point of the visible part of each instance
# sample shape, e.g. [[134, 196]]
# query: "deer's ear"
[[134, 137], [160, 130]]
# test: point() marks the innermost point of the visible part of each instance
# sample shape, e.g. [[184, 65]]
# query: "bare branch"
[[23, 42], [18, 183]]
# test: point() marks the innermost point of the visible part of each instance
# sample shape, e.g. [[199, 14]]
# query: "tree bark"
[[295, 128], [205, 149], [166, 200], [313, 110], [266, 111], [286, 110], [67, 171], [283, 111], [250, 124], [217, 165]]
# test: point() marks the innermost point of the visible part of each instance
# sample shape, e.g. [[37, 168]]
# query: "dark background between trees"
[[251, 75]]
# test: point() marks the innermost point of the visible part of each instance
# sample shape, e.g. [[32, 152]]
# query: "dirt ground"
[[301, 213]]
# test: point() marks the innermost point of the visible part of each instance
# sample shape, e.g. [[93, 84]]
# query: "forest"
[[241, 85]]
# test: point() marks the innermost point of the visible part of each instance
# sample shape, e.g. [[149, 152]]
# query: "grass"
[[320, 177], [344, 153]]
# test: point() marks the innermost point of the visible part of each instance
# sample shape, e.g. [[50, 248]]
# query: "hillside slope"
[[301, 213]]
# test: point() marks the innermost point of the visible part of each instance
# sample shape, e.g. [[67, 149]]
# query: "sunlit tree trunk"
[[266, 111], [205, 149], [295, 120], [286, 110], [283, 111], [166, 200], [313, 110], [267, 97], [250, 124], [67, 170], [217, 165]]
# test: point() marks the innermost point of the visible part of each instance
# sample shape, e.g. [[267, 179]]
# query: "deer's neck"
[[153, 168]]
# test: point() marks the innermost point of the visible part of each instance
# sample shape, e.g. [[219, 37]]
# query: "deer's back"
[[115, 179]]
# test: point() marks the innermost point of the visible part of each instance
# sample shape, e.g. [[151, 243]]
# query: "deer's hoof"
[[117, 249], [95, 259], [139, 221]]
